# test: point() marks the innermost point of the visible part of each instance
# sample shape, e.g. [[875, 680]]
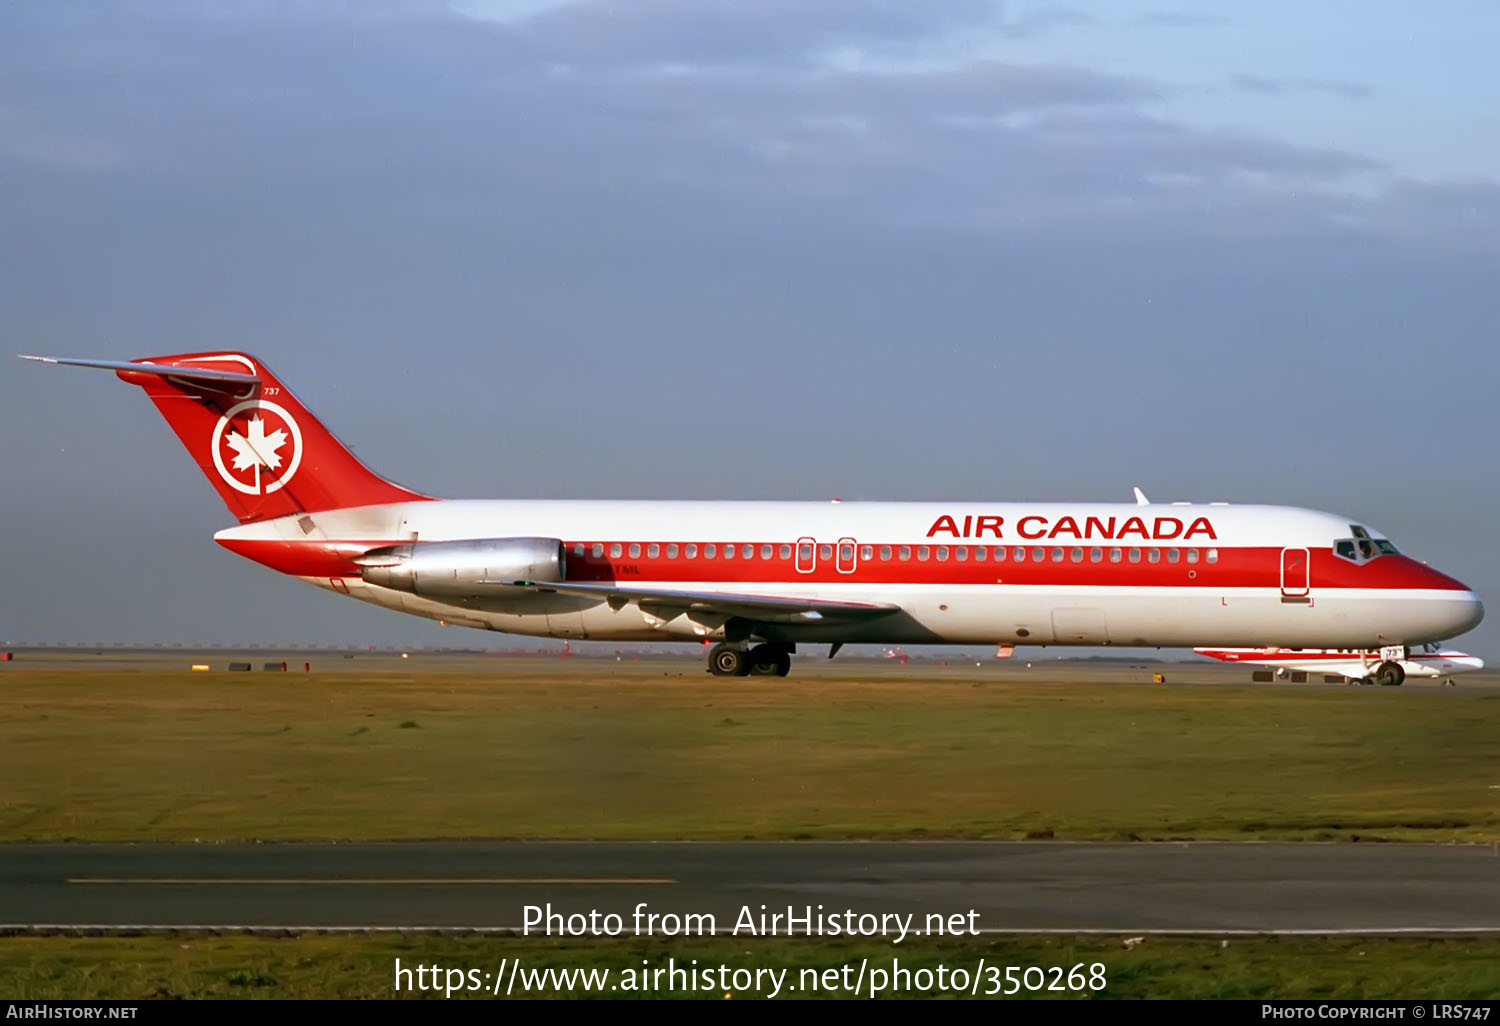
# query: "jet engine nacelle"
[[469, 567]]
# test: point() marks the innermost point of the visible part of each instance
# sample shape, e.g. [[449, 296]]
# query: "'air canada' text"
[[1101, 528]]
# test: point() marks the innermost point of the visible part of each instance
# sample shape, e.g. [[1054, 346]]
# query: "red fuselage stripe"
[[1245, 567]]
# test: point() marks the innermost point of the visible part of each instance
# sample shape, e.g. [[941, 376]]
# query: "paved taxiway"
[[1013, 886]]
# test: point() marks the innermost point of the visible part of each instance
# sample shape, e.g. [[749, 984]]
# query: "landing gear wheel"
[[769, 661], [1390, 675], [726, 661]]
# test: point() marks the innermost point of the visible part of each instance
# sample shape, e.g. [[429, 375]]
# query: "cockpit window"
[[1362, 548]]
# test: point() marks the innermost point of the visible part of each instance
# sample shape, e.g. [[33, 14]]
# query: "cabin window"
[[729, 552], [785, 552], [1076, 555], [942, 553], [578, 549], [905, 553], [1192, 555], [710, 551], [1211, 556], [980, 552], [1153, 555], [885, 552], [747, 551], [690, 551], [867, 552], [1135, 555], [1096, 554], [653, 550], [1057, 555], [961, 553], [765, 552], [999, 554], [615, 550], [804, 553], [1114, 555], [1020, 554], [1039, 555], [1172, 555], [825, 551], [597, 550], [923, 553], [635, 550], [672, 551]]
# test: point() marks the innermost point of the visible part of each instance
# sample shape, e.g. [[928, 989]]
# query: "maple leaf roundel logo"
[[257, 447]]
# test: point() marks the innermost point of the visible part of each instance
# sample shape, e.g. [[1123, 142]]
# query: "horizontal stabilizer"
[[161, 369]]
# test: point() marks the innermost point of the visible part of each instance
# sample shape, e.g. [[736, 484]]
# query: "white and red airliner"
[[759, 578], [1368, 666]]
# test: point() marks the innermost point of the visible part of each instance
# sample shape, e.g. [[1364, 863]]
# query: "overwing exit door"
[[848, 554]]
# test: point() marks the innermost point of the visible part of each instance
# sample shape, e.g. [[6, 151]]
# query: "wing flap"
[[665, 603]]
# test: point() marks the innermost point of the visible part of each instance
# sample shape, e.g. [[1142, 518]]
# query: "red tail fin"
[[258, 446]]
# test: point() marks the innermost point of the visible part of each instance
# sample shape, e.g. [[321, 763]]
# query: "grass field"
[[663, 751], [364, 967]]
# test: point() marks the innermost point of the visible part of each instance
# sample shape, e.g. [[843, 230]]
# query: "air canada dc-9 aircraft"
[[756, 579]]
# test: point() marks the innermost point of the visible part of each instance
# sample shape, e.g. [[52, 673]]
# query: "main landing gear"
[[760, 661], [1387, 674]]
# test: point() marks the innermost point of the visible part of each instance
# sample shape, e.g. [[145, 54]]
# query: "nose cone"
[[1452, 607], [1467, 612], [1458, 610]]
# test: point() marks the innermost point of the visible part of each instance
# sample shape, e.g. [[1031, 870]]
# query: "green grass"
[[645, 753], [189, 966]]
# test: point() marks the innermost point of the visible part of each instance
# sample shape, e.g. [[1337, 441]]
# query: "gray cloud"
[[1179, 19], [1271, 86], [1044, 19], [663, 31], [1352, 90]]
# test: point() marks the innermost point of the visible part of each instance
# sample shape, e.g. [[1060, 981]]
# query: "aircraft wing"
[[666, 604]]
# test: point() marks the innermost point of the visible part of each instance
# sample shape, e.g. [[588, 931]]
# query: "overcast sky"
[[743, 249]]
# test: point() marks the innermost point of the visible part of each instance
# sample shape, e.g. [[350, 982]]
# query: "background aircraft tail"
[[260, 448]]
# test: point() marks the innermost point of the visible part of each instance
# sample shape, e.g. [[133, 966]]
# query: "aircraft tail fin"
[[261, 449]]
